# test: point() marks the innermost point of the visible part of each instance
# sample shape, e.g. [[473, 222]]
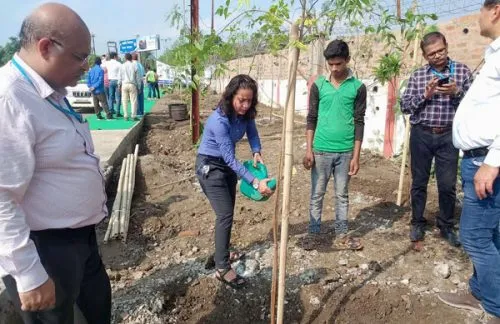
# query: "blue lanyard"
[[441, 75], [68, 112]]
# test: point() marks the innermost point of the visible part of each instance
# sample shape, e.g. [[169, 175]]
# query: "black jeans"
[[425, 146], [103, 101], [71, 258], [157, 89], [218, 182]]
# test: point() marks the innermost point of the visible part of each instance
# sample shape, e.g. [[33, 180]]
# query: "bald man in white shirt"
[[476, 131], [51, 187]]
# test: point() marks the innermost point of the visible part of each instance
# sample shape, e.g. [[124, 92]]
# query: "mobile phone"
[[443, 81]]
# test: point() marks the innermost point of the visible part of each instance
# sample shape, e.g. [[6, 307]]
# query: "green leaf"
[[198, 46]]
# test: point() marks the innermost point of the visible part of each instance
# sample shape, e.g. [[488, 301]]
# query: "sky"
[[113, 20]]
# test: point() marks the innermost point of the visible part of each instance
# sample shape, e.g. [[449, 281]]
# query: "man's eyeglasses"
[[440, 52], [83, 59]]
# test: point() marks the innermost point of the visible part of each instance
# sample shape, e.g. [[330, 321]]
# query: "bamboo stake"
[[119, 212], [129, 196], [116, 219], [133, 169], [288, 164], [123, 205], [407, 137], [272, 91], [116, 203], [274, 285]]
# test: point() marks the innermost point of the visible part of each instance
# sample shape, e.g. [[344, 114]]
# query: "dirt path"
[[159, 275]]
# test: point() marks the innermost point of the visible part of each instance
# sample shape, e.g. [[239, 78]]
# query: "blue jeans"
[[480, 237], [115, 96], [106, 91], [326, 164], [151, 90], [140, 100]]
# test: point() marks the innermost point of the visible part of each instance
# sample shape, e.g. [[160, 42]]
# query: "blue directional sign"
[[128, 46]]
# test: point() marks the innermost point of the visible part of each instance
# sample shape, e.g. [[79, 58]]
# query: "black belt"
[[212, 158], [65, 232], [436, 130], [477, 152]]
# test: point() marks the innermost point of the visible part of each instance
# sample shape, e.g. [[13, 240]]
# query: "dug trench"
[[158, 275]]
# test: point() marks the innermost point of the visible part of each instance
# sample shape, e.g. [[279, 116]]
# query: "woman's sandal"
[[233, 257], [236, 283]]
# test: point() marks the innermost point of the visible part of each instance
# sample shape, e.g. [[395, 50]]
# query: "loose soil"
[[158, 276]]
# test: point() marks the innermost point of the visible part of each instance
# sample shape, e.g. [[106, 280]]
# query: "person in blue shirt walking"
[[217, 168], [95, 82]]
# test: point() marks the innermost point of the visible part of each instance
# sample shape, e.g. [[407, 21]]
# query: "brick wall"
[[465, 45]]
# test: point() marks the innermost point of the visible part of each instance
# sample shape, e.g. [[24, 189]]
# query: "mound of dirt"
[[159, 275]]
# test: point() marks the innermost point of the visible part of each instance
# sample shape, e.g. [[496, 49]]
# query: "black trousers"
[[71, 258], [425, 146], [218, 182], [103, 101]]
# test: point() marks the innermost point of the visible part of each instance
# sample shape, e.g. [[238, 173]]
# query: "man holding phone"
[[431, 98]]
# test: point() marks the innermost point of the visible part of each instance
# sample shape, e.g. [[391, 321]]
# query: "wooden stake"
[[123, 202], [132, 186], [277, 201], [403, 162], [274, 285], [288, 164], [116, 204], [272, 92], [407, 137]]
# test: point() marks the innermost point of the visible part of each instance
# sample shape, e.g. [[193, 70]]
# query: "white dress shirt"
[[130, 73], [49, 175], [477, 120], [114, 68]]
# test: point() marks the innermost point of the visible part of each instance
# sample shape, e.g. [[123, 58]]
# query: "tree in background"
[[9, 49]]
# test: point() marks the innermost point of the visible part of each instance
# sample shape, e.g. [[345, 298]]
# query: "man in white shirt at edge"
[[476, 131], [129, 79], [51, 187], [114, 70]]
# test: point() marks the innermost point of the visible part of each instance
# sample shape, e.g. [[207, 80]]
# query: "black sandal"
[[236, 283], [233, 257]]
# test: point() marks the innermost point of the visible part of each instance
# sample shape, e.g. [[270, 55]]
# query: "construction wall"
[[271, 73]]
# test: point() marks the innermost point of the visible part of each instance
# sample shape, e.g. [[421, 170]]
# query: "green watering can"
[[260, 172]]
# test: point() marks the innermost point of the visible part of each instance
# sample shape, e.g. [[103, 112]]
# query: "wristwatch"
[[256, 185]]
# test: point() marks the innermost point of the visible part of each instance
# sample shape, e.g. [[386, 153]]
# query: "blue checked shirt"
[[440, 109], [220, 136]]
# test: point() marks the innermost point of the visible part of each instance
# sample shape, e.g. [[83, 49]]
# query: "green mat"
[[117, 123]]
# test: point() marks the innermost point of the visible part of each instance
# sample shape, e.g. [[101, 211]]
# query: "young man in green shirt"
[[335, 125]]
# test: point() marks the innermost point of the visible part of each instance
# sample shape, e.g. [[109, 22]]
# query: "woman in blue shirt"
[[218, 169]]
